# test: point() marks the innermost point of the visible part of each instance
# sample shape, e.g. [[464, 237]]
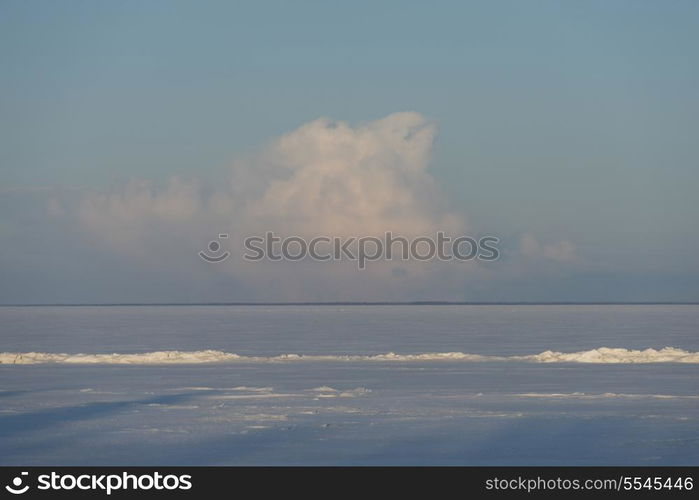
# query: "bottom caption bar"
[[228, 482]]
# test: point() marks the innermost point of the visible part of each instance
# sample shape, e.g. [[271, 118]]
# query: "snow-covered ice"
[[601, 355], [350, 385]]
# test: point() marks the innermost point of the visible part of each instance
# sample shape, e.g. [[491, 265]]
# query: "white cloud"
[[133, 218], [324, 178], [333, 179]]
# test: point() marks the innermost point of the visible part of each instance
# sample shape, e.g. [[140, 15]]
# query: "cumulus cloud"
[[325, 178], [339, 180]]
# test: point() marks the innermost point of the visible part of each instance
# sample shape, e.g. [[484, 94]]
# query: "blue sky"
[[569, 121]]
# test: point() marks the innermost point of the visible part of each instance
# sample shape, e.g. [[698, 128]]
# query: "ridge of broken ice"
[[599, 355]]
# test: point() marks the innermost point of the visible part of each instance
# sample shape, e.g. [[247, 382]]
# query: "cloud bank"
[[325, 178]]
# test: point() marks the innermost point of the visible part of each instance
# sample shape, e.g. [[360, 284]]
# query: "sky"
[[133, 133]]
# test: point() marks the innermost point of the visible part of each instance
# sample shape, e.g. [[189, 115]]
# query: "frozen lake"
[[350, 385]]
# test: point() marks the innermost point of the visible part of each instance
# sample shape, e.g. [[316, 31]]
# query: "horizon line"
[[356, 303]]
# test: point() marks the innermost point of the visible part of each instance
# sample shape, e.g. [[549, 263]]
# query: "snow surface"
[[507, 385]]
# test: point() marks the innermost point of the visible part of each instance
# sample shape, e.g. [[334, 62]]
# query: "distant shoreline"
[[415, 303]]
